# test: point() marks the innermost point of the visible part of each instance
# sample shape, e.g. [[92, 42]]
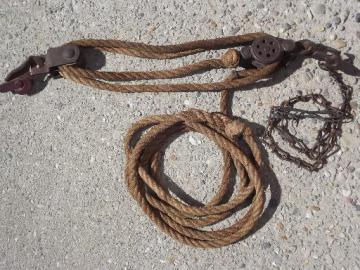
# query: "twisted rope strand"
[[187, 47]]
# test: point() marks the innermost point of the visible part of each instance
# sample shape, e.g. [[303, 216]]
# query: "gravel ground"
[[63, 201]]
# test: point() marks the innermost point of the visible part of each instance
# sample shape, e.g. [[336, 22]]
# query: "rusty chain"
[[327, 139]]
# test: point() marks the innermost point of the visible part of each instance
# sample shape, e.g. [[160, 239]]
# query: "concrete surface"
[[63, 201]]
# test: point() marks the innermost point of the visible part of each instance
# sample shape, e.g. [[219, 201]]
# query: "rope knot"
[[231, 58], [236, 128]]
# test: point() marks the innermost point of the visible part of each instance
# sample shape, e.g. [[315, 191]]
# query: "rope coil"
[[176, 218]]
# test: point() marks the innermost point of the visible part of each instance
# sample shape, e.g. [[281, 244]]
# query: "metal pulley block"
[[267, 50]]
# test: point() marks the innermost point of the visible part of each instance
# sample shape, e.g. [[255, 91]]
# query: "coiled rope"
[[179, 220]]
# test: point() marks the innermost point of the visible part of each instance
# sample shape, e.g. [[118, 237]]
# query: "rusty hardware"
[[326, 143], [267, 50], [332, 117], [19, 86], [329, 58], [20, 80]]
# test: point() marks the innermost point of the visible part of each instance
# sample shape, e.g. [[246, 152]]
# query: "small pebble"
[[333, 37], [210, 162], [339, 44], [329, 260], [354, 105], [351, 201], [194, 141], [266, 245], [280, 226], [357, 173], [346, 192], [319, 29], [319, 9], [295, 211], [327, 174], [357, 17], [315, 208], [285, 27], [336, 21], [345, 15], [327, 25], [249, 13], [310, 15], [235, 30], [187, 102], [260, 6]]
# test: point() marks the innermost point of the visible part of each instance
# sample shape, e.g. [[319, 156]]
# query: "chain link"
[[327, 138]]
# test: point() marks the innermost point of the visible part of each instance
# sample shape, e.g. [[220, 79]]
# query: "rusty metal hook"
[[20, 80]]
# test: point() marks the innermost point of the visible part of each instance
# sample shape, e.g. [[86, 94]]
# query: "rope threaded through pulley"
[[176, 218], [111, 81]]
